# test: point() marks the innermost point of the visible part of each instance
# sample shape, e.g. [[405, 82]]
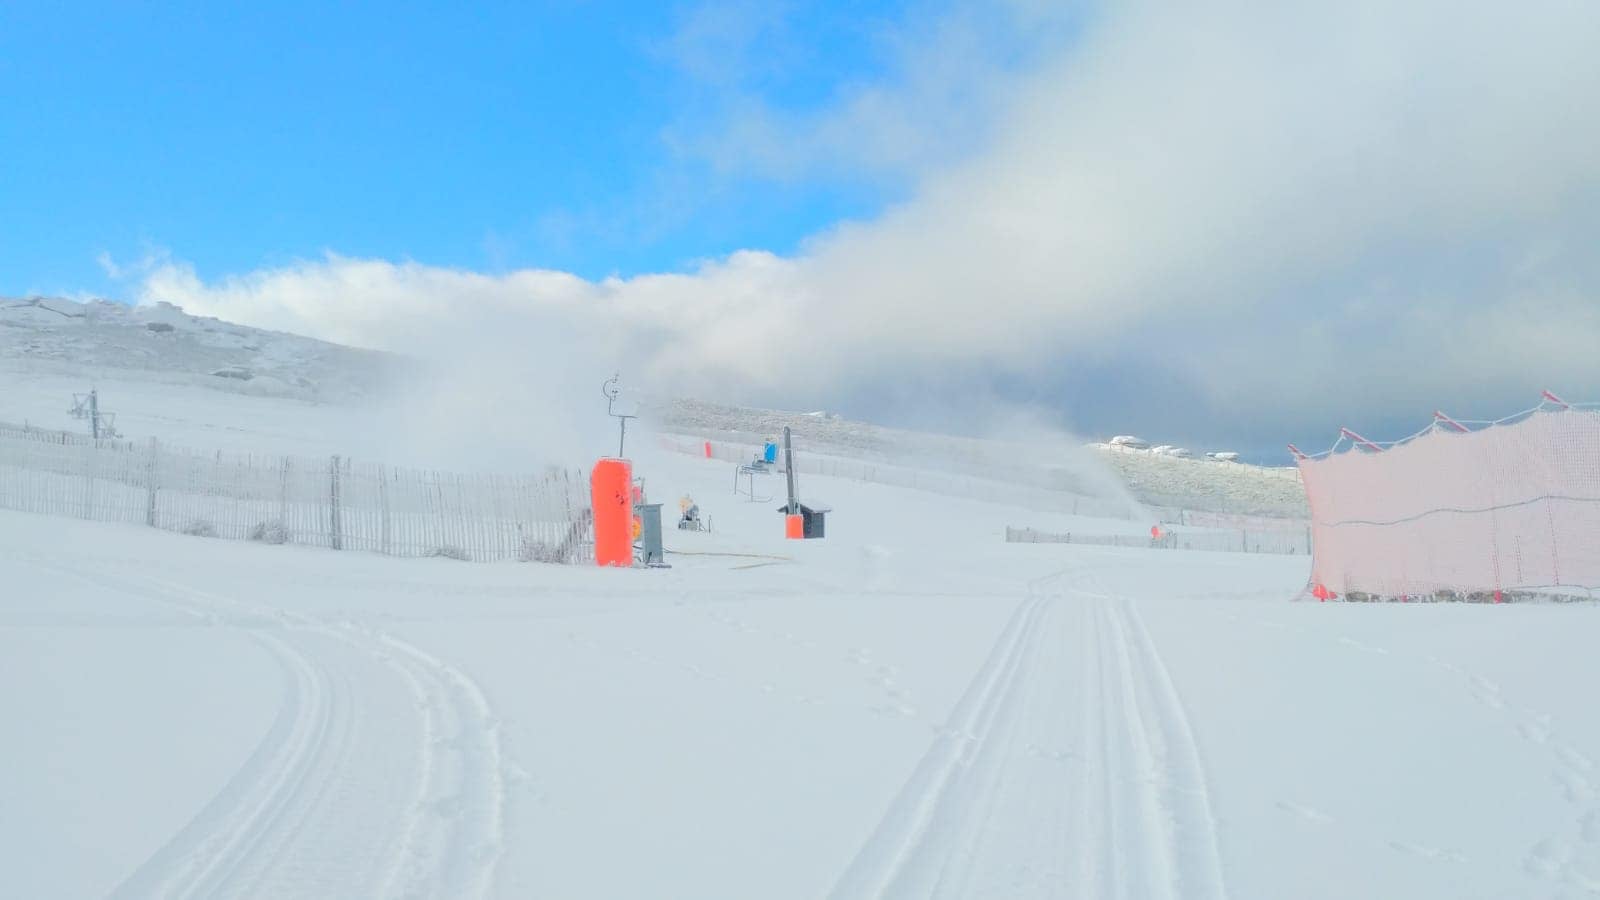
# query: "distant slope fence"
[[335, 503], [1461, 510], [1273, 541]]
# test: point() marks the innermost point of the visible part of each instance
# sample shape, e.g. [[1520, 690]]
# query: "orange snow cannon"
[[611, 495]]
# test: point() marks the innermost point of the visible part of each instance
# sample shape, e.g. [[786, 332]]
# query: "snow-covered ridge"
[[1155, 479], [52, 332], [1209, 484]]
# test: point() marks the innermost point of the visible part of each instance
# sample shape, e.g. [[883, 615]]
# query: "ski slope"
[[877, 715], [982, 814], [909, 708]]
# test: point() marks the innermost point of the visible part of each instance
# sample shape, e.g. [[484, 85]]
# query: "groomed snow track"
[[282, 825], [1067, 769]]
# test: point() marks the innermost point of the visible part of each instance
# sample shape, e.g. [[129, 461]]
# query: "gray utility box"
[[813, 518], [651, 553]]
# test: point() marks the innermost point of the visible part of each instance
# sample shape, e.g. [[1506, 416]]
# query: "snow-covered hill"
[[162, 341], [1210, 485]]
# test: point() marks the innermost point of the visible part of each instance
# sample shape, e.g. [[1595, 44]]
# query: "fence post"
[[383, 501], [90, 450], [333, 509], [283, 494], [150, 484]]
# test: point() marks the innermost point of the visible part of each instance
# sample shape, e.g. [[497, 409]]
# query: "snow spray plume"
[[1014, 441], [501, 375]]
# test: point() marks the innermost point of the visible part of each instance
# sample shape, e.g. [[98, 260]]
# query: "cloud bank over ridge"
[[1234, 223]]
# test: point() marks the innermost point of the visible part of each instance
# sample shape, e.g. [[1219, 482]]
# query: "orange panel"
[[794, 527], [610, 494]]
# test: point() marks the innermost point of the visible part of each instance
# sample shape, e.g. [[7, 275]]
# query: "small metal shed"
[[815, 518]]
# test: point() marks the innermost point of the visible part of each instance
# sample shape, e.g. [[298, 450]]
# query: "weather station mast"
[[612, 392]]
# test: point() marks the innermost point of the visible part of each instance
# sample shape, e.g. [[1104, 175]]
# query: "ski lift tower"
[[87, 406]]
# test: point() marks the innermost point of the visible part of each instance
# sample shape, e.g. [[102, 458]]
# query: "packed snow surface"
[[908, 708]]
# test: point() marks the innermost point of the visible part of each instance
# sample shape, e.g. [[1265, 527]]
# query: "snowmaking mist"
[[485, 393], [1021, 443], [1013, 445]]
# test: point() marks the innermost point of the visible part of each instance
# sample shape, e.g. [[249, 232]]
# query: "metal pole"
[[94, 413], [788, 465], [624, 436]]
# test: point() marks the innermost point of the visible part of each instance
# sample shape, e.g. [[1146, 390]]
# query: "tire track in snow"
[[1068, 769], [298, 817]]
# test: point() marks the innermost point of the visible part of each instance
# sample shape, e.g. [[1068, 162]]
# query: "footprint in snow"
[[1487, 693], [1447, 666], [1308, 813], [894, 710], [1587, 882], [1572, 757], [1051, 754], [1589, 827], [1537, 732], [1547, 858], [1434, 853], [1576, 788], [1365, 648]]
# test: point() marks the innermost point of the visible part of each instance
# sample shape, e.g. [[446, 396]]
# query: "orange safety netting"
[[1453, 511]]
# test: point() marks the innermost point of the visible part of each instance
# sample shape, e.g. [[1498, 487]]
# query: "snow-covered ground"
[[909, 708]]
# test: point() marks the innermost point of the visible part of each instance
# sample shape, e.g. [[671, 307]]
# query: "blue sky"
[[512, 135]]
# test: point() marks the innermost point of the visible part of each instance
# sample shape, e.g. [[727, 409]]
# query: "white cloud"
[[1287, 213], [944, 73]]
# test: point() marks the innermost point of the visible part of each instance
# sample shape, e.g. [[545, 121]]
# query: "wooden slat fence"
[[336, 502]]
